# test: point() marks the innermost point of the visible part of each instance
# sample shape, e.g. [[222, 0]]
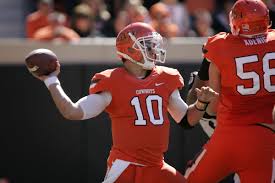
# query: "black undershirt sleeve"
[[203, 72], [186, 125]]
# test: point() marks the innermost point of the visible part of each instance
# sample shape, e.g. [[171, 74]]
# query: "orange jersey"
[[247, 67], [138, 111]]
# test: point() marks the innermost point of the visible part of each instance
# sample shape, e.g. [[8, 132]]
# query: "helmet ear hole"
[[123, 60], [131, 50]]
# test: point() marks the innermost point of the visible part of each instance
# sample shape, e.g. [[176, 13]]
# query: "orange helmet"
[[249, 18], [141, 44]]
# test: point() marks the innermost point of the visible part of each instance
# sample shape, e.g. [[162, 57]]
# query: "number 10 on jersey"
[[140, 120]]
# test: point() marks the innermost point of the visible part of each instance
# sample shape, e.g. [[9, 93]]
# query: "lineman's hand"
[[206, 94], [55, 73]]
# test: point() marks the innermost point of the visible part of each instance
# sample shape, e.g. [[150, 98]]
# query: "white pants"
[[117, 169]]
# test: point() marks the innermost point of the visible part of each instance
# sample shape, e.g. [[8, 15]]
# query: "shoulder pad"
[[220, 37], [214, 43], [103, 81], [167, 70], [102, 75], [173, 77]]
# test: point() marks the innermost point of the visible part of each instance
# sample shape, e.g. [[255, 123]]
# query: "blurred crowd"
[[71, 20]]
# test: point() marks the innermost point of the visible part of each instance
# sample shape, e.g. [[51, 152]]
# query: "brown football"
[[41, 61]]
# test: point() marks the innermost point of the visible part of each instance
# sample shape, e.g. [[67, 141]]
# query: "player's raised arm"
[[90, 106], [197, 83], [197, 80]]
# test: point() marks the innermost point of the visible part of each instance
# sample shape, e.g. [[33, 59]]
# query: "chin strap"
[[127, 57]]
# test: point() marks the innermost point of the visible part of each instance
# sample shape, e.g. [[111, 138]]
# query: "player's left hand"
[[206, 94]]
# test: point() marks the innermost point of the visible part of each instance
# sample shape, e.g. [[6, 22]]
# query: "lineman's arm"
[[215, 84], [188, 116], [191, 95], [200, 79]]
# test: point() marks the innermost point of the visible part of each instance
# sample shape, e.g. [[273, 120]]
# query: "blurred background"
[[37, 145]]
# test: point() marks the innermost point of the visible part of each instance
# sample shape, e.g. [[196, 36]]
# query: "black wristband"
[[208, 116], [201, 105]]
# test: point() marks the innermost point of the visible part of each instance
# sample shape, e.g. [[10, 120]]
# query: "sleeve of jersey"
[[212, 49], [176, 81], [99, 83]]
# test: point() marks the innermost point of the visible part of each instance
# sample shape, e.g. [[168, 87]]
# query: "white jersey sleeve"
[[93, 104], [177, 107]]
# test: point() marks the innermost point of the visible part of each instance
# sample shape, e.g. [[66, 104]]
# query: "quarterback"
[[138, 98]]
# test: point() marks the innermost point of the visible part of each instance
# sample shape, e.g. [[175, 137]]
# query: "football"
[[41, 61]]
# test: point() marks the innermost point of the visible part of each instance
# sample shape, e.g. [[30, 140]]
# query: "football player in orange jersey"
[[207, 122], [242, 70], [138, 98]]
